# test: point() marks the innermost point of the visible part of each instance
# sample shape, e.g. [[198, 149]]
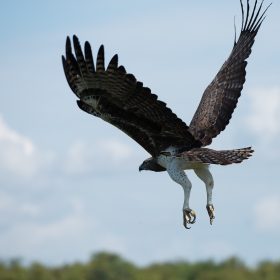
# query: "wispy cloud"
[[266, 214], [83, 158], [263, 119], [28, 235], [18, 154]]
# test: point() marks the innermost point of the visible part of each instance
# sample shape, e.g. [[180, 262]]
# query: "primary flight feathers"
[[118, 98], [221, 96]]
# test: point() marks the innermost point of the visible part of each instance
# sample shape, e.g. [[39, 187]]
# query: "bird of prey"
[[118, 98]]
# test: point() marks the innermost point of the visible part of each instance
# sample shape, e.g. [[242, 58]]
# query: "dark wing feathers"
[[221, 96], [118, 98], [100, 63], [133, 128], [222, 157], [89, 58], [121, 69], [113, 64]]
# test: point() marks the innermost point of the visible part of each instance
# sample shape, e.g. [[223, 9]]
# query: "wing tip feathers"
[[251, 21]]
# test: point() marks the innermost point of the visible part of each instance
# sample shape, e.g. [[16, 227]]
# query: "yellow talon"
[[189, 217], [210, 210]]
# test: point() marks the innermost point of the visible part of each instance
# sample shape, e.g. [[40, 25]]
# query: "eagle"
[[117, 97]]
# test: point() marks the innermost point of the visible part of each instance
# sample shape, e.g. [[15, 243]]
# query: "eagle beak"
[[141, 167]]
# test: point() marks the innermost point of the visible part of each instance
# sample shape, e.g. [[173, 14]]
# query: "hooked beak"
[[141, 167]]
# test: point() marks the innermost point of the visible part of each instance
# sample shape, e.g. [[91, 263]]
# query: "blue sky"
[[69, 183]]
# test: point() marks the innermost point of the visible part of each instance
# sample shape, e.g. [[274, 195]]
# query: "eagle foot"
[[189, 217], [210, 210]]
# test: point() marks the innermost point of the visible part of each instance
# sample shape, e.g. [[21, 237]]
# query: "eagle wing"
[[221, 96], [118, 98]]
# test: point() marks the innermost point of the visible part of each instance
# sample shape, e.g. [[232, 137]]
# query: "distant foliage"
[[107, 266]]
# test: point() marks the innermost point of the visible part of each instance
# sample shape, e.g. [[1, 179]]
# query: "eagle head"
[[151, 164]]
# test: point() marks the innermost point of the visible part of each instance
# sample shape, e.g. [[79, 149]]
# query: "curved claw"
[[210, 210], [189, 217]]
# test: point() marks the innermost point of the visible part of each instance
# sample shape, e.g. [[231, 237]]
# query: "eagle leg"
[[189, 217], [204, 174], [179, 176]]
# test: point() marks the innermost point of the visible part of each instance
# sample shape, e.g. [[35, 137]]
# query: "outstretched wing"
[[221, 96], [118, 98]]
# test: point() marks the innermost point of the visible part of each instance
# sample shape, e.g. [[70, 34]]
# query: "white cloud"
[[263, 119], [267, 216], [46, 231], [14, 211], [5, 202], [83, 158], [72, 224], [117, 151], [78, 158], [11, 136], [18, 154], [20, 157], [30, 237], [264, 116]]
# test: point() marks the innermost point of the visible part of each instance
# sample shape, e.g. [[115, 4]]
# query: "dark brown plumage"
[[123, 101], [221, 96], [118, 98], [209, 156]]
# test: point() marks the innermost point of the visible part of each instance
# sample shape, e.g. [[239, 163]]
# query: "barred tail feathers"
[[222, 157]]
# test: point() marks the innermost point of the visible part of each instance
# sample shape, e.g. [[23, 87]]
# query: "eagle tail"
[[222, 157]]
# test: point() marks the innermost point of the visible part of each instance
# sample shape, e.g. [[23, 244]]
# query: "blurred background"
[[69, 182]]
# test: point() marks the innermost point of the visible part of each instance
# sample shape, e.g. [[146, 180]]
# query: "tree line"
[[108, 266]]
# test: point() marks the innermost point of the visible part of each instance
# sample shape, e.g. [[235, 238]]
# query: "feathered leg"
[[180, 177], [204, 174]]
